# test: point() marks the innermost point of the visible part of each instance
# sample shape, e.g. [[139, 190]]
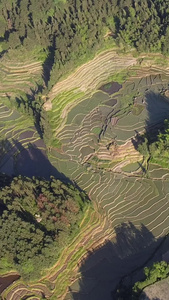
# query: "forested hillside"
[[37, 219], [65, 34]]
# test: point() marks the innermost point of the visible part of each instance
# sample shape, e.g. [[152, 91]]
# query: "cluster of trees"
[[156, 151], [37, 218], [144, 25], [32, 106], [156, 272], [152, 274]]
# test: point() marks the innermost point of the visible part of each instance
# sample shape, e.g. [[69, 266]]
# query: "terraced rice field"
[[96, 126], [22, 149], [99, 154], [19, 140], [18, 75], [91, 75]]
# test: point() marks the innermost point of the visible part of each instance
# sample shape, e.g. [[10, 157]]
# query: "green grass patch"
[[56, 143], [137, 109], [6, 266], [87, 105], [161, 160], [107, 86], [21, 54], [163, 62], [96, 130], [58, 105], [122, 76], [131, 167]]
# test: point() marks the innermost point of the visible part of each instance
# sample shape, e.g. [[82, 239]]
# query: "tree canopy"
[[66, 33], [37, 217], [156, 150]]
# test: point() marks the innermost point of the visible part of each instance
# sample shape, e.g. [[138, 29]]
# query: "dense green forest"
[[64, 34], [154, 147], [158, 271], [37, 219]]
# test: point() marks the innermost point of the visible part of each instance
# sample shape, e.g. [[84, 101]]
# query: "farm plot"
[[92, 127], [61, 105], [138, 204], [89, 127], [135, 200], [154, 107], [133, 167], [98, 131], [19, 74], [96, 127], [17, 137], [94, 73], [157, 172], [87, 105]]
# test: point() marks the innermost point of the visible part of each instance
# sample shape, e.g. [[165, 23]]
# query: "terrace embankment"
[[18, 75], [91, 75], [6, 280]]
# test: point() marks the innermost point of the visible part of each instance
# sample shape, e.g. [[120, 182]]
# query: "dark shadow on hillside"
[[2, 53], [110, 271], [157, 106], [31, 161], [34, 162], [31, 106], [158, 110], [142, 167], [48, 64]]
